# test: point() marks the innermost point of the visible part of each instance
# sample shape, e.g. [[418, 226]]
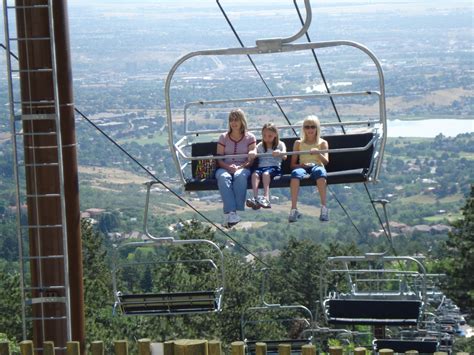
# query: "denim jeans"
[[316, 172], [233, 188]]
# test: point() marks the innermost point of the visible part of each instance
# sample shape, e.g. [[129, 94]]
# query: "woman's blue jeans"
[[233, 188]]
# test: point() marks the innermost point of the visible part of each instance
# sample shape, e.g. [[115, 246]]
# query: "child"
[[268, 166], [312, 163]]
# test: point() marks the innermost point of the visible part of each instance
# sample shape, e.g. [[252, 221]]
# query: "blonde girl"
[[312, 163]]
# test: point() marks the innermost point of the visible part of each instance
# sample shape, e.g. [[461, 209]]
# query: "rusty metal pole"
[[71, 180], [36, 87]]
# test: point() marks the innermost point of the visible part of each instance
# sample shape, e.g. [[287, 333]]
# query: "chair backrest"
[[337, 161]]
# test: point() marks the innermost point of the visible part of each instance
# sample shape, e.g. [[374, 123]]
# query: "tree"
[[10, 305], [460, 261]]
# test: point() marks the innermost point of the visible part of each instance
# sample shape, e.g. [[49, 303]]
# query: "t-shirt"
[[310, 158], [270, 160], [236, 147]]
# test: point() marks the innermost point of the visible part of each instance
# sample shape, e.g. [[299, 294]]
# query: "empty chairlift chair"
[[379, 290], [379, 293], [146, 275], [354, 157], [275, 324]]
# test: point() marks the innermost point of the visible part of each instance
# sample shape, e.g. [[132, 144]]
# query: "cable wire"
[[389, 238], [319, 68], [345, 211], [254, 65], [281, 109], [123, 150]]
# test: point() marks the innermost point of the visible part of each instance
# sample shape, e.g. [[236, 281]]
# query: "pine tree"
[[460, 262]]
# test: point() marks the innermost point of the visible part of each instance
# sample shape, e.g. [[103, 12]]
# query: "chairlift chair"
[[374, 294], [354, 157], [179, 302], [291, 322]]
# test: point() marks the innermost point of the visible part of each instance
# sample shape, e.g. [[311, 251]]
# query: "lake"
[[429, 128]]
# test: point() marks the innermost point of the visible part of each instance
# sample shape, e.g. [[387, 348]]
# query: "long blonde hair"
[[239, 115], [313, 121]]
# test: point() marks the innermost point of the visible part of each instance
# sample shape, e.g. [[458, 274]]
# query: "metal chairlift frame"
[[268, 46], [376, 296], [272, 307], [176, 303]]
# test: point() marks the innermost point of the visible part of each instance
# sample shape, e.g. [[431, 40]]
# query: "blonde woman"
[[233, 173], [312, 163]]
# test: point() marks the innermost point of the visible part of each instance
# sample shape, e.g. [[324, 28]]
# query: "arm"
[[295, 158], [220, 162], [280, 152], [251, 156], [324, 156]]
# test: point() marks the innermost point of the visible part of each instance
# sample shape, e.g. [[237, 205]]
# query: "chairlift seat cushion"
[[401, 346], [169, 303], [343, 168], [370, 312]]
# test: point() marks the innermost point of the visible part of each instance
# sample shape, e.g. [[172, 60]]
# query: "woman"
[[233, 173], [312, 164]]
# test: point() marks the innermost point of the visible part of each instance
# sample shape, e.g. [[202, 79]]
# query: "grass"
[[159, 138], [420, 199], [428, 199], [441, 218], [467, 155]]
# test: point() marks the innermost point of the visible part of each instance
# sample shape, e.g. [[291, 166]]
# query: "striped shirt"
[[236, 147]]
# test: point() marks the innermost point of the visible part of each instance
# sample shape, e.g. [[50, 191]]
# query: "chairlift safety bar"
[[300, 152]]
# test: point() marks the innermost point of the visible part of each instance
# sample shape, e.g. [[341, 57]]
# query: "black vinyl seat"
[[343, 168], [373, 312]]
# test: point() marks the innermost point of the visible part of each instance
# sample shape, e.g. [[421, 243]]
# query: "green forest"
[[446, 197]]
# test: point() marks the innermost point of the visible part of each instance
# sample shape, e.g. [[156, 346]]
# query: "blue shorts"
[[272, 170], [316, 172]]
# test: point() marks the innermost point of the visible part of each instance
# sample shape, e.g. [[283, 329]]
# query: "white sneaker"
[[234, 218], [294, 215], [324, 216]]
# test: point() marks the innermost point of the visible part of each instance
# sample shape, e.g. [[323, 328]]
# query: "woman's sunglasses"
[[309, 127]]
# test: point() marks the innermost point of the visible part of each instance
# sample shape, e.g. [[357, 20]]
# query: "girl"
[[233, 173], [268, 166], [312, 163]]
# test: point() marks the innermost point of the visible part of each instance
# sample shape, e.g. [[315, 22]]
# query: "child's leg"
[[255, 182], [294, 189], [322, 187], [266, 178]]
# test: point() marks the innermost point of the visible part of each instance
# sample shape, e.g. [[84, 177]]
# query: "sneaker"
[[294, 215], [234, 218], [324, 216], [263, 202], [225, 223], [252, 203]]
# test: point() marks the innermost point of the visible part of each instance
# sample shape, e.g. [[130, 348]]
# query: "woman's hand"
[[233, 168], [276, 153], [252, 154]]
